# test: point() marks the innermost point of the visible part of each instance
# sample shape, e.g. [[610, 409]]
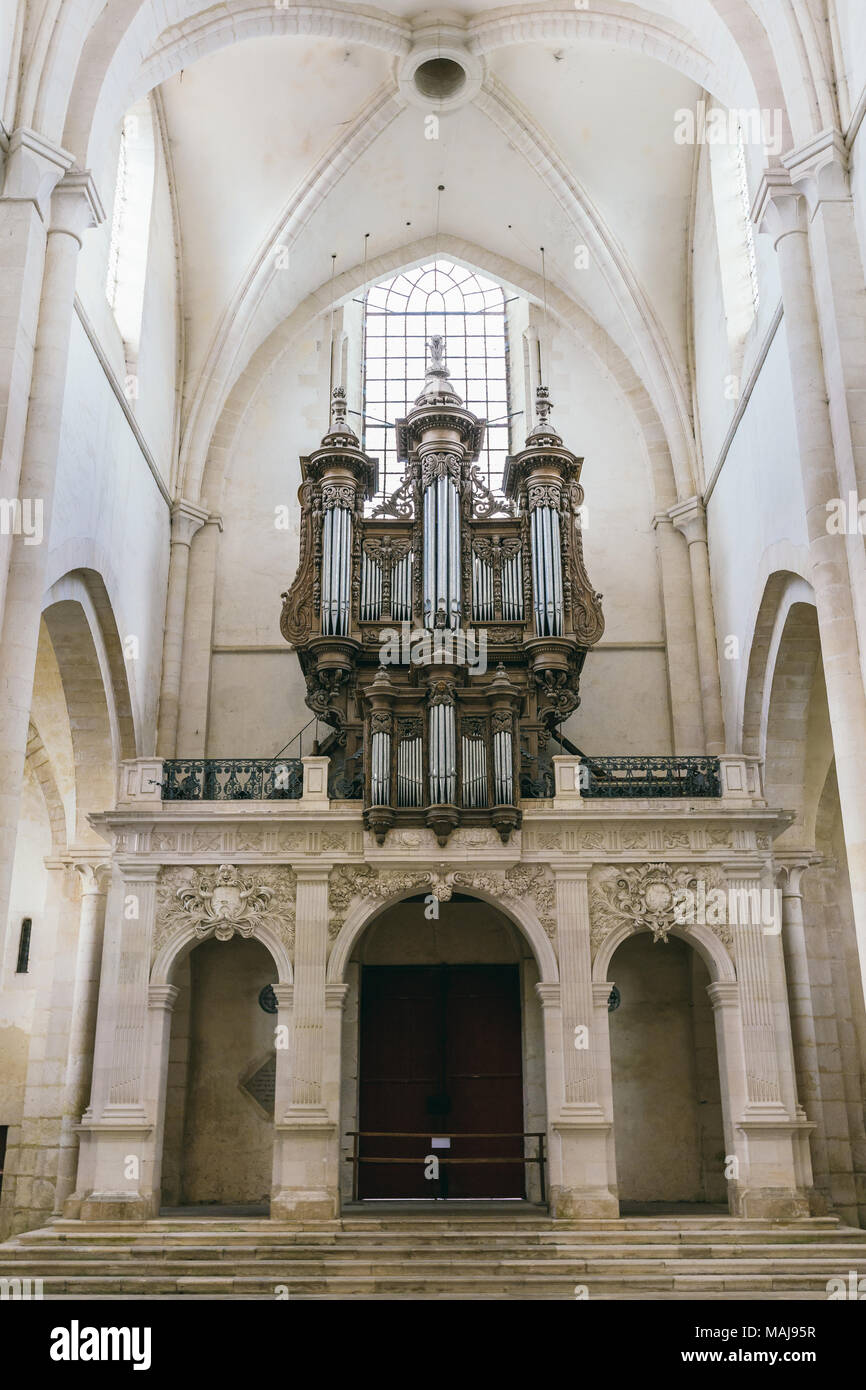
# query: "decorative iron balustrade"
[[232, 779], [636, 776], [267, 779]]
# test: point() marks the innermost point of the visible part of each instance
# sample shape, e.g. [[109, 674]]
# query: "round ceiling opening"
[[439, 78]]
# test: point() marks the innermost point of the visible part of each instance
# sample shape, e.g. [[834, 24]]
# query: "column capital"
[[34, 166], [186, 519], [601, 992], [284, 994], [94, 875], [791, 868], [569, 873], [336, 996], [724, 994], [549, 994], [76, 205], [820, 169], [135, 872], [779, 208], [312, 873], [690, 517], [162, 997], [743, 868]]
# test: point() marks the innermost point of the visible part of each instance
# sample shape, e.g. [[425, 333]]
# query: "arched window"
[[735, 236], [400, 315], [130, 224]]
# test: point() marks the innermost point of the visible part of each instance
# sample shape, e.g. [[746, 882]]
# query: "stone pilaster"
[[580, 1171], [197, 639], [782, 211], [690, 518], [775, 1181], [74, 207], [680, 639], [186, 519], [306, 1151], [117, 1147], [33, 168], [93, 878], [819, 170]]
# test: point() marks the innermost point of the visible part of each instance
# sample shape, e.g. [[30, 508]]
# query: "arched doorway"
[[219, 1108], [668, 1128], [443, 1056]]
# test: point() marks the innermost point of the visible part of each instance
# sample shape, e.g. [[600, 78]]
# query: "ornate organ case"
[[442, 637]]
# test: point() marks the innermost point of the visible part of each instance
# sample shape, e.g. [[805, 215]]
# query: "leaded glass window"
[[400, 315]]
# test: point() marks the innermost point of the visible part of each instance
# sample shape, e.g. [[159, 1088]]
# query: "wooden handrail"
[[356, 1158]]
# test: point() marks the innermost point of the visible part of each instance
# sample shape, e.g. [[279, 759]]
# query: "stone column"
[[724, 995], [116, 1163], [306, 1146], [82, 1030], [580, 1129], [802, 1017], [819, 171], [34, 1144], [161, 1000], [185, 521], [781, 211], [690, 518], [284, 995], [74, 206], [198, 641], [772, 1185], [33, 168], [680, 639]]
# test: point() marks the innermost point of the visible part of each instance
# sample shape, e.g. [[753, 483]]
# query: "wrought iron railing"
[[635, 776], [281, 779], [232, 779]]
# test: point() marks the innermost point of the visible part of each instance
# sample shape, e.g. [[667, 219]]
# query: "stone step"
[[438, 1258], [819, 1266], [60, 1255], [457, 1286]]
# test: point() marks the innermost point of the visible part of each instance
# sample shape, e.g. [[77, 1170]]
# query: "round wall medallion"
[[268, 1000], [614, 1000]]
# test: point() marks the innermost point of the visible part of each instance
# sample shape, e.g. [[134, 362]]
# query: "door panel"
[[440, 1054]]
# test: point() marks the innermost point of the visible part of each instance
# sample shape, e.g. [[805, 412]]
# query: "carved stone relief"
[[225, 901]]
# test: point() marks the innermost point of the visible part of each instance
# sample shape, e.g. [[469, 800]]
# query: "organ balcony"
[[441, 638]]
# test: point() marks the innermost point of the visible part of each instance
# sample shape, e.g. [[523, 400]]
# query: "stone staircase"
[[453, 1255]]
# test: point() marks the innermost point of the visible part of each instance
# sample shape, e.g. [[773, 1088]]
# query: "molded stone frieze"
[[657, 897], [225, 901], [350, 881], [520, 881]]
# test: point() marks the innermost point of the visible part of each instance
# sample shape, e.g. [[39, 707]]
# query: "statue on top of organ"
[[443, 637]]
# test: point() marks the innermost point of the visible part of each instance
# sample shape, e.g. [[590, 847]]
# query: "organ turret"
[[442, 637]]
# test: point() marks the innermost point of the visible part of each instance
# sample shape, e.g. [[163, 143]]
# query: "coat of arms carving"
[[227, 902]]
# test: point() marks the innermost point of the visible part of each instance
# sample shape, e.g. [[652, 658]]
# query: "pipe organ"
[[441, 637]]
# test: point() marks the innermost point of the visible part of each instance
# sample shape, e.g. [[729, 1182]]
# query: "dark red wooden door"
[[440, 1055]]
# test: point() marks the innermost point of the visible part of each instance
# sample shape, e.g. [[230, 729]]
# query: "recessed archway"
[[443, 1038], [668, 1122], [219, 1103]]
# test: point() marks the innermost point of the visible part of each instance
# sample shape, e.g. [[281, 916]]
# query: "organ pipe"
[[441, 571], [336, 570], [443, 766], [546, 572], [380, 768]]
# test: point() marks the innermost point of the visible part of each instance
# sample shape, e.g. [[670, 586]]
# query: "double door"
[[441, 1059]]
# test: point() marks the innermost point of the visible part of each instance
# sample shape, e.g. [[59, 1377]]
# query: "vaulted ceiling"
[[295, 125]]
